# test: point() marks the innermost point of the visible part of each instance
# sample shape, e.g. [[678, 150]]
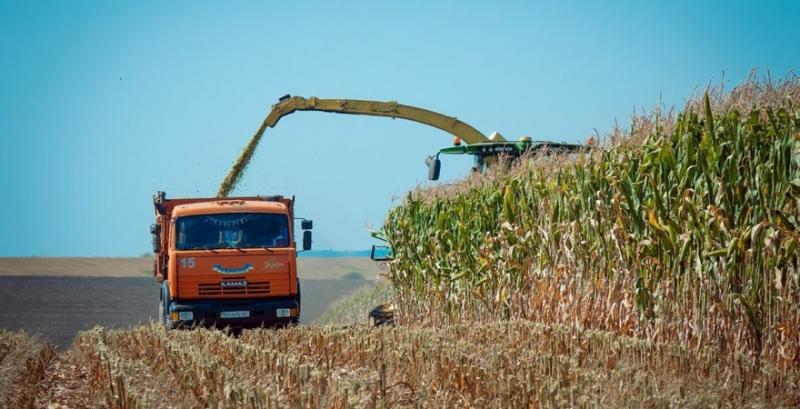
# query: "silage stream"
[[235, 174]]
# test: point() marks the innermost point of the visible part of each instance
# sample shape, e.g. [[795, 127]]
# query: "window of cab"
[[232, 230]]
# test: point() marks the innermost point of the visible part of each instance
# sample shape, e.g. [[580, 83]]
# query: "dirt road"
[[56, 308]]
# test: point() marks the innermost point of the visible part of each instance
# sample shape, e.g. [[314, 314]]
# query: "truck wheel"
[[299, 304], [162, 314], [298, 294], [162, 308]]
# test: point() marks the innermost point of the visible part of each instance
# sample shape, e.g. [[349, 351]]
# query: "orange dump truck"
[[227, 262]]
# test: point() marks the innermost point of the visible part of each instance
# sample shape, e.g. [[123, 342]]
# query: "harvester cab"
[[487, 153]]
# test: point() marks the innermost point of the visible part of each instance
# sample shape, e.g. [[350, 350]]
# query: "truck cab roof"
[[229, 206]]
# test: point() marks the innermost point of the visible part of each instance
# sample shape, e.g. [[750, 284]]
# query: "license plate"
[[282, 312], [234, 314]]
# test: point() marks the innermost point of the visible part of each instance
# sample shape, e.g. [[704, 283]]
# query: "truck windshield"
[[232, 230]]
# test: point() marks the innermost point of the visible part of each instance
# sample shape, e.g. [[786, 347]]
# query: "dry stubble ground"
[[500, 364]]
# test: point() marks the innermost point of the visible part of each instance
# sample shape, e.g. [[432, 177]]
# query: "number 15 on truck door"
[[188, 262]]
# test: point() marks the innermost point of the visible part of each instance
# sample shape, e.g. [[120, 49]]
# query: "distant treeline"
[[335, 253]]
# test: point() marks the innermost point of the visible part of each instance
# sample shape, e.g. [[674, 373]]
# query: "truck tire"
[[162, 317], [162, 308], [296, 320]]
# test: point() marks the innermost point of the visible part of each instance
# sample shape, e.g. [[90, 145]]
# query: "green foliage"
[[701, 220]]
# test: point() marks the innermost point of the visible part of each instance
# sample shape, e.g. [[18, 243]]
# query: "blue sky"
[[103, 103]]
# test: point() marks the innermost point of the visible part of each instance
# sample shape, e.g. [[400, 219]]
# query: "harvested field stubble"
[[24, 362], [494, 365]]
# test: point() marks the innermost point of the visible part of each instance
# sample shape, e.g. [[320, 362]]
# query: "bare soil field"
[[327, 268], [55, 297], [56, 308]]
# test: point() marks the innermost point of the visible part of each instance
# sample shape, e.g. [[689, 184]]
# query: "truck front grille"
[[253, 288]]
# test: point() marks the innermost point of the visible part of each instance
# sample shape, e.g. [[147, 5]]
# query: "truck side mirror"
[[155, 230], [306, 240], [307, 224], [380, 253], [434, 166]]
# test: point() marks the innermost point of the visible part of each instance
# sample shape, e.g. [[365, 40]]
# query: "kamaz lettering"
[[233, 284]]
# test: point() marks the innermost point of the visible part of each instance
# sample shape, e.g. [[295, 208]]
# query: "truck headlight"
[[182, 315]]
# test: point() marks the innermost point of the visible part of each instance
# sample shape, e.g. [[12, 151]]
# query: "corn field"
[[658, 269], [682, 230]]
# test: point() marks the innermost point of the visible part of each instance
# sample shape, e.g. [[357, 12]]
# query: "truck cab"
[[227, 261]]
